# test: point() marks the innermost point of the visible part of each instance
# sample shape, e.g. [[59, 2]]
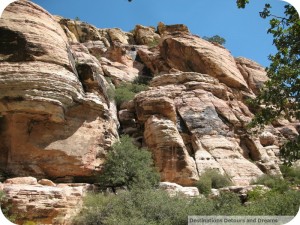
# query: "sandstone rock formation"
[[45, 86], [44, 204], [174, 189], [57, 119]]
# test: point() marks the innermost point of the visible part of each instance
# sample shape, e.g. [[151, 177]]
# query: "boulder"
[[174, 189], [44, 204], [21, 180], [266, 138], [46, 182], [146, 36], [203, 57]]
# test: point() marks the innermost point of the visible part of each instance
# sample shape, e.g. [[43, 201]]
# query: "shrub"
[[204, 185], [291, 174], [142, 207], [1, 196], [126, 165], [274, 203], [156, 207], [227, 203], [5, 207], [29, 223], [126, 92], [275, 182], [255, 194], [153, 43], [142, 79], [212, 179]]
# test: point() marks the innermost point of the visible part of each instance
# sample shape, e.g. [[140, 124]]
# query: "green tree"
[[216, 39], [280, 95], [127, 165]]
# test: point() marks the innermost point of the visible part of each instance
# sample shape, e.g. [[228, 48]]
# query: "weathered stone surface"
[[254, 74], [57, 121], [44, 204], [82, 31], [117, 35], [145, 35], [118, 72], [153, 60], [169, 152], [172, 29], [203, 57], [266, 138], [210, 119], [150, 105], [174, 189], [21, 180], [46, 182], [227, 154], [55, 118]]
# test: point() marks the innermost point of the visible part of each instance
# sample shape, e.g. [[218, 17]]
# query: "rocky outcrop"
[[43, 203], [170, 154], [174, 189], [57, 118], [145, 35], [253, 73], [46, 84], [192, 124], [203, 57]]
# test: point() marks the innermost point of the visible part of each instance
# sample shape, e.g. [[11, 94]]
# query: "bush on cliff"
[[126, 92], [212, 179], [127, 165]]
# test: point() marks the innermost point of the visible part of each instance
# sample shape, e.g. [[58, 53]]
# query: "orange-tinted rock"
[[203, 57], [170, 154], [56, 120], [253, 73], [44, 204]]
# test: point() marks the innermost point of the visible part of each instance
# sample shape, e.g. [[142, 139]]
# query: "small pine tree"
[[216, 39]]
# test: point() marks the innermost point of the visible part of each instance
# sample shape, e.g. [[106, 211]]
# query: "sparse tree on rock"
[[216, 39]]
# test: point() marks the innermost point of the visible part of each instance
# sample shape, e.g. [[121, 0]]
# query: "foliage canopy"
[[127, 165]]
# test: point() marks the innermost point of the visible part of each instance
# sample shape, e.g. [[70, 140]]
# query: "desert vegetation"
[[141, 202]]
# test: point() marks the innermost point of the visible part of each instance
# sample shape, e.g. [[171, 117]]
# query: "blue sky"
[[245, 32]]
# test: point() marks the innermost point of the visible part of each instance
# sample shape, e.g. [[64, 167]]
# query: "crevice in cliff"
[[250, 149], [185, 134]]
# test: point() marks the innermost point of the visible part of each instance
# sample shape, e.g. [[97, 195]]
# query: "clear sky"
[[245, 32]]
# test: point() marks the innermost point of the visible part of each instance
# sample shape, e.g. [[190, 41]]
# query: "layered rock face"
[[43, 201], [57, 118], [58, 122]]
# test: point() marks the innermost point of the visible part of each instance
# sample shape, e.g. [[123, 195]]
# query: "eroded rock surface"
[[55, 115], [194, 119], [57, 118], [44, 204]]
